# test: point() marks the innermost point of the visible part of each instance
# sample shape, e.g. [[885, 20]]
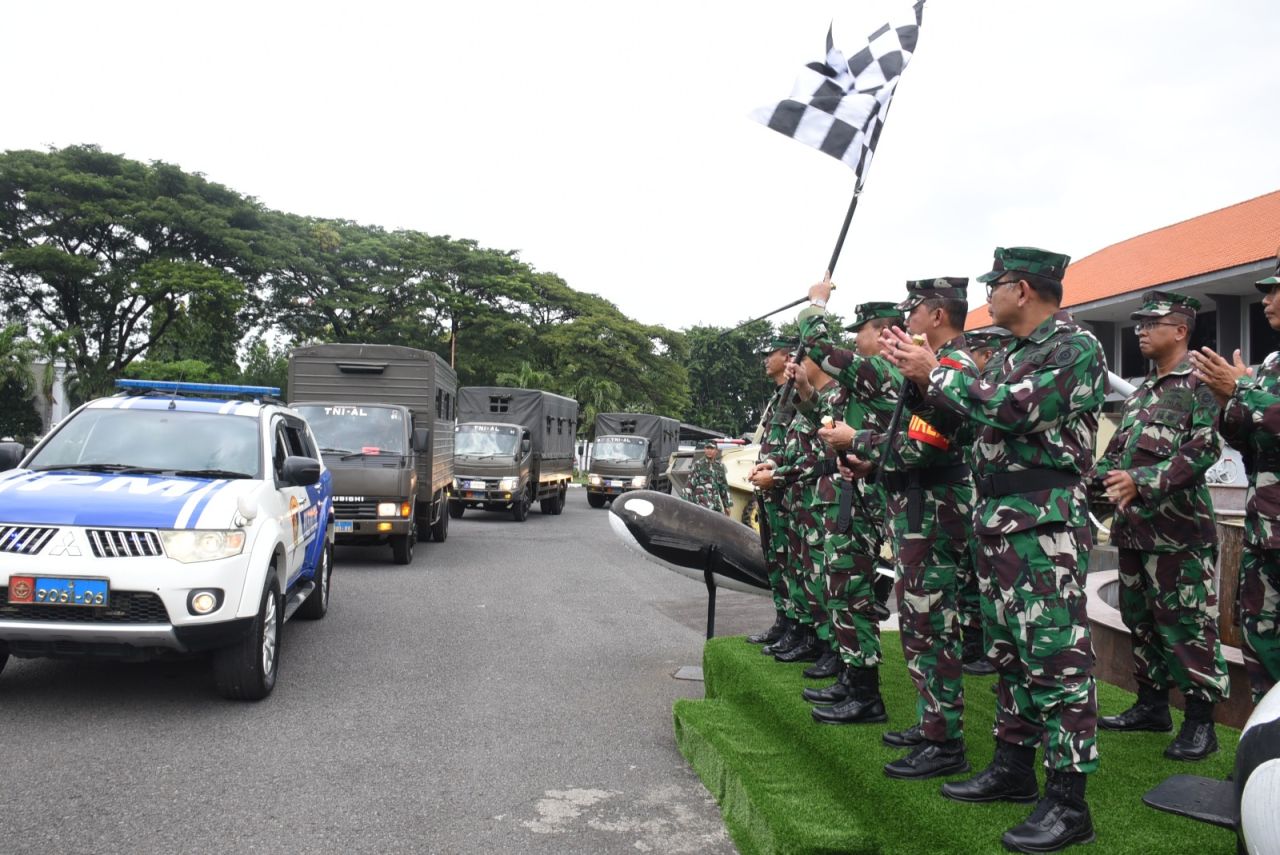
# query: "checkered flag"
[[839, 106]]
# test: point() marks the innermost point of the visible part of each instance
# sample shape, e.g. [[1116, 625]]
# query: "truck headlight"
[[508, 484], [640, 481], [593, 480], [190, 547], [387, 509]]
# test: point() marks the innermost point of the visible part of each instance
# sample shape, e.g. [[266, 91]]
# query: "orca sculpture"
[[693, 541], [1249, 803]]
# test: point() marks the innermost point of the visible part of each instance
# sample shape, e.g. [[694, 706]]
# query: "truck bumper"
[[471, 498], [359, 531]]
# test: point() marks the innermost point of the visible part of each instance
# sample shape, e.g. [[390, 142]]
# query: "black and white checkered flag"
[[839, 106]]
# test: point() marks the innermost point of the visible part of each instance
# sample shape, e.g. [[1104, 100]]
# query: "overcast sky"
[[610, 143]]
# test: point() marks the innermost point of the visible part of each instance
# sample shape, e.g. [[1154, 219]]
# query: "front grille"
[[355, 510], [120, 543], [126, 607], [24, 539]]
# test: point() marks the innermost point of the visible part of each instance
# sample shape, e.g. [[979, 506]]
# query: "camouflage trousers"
[[775, 553], [1170, 604], [1260, 617], [849, 592], [929, 574], [1038, 639], [803, 581], [970, 595]]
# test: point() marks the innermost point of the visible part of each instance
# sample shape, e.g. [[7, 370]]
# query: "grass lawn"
[[788, 785]]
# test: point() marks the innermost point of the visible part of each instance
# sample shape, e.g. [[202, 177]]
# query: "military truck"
[[512, 447], [630, 452], [383, 416]]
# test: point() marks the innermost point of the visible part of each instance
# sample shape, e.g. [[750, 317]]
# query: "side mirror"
[[525, 445], [421, 439], [301, 471], [11, 454]]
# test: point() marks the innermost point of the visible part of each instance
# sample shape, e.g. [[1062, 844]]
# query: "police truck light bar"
[[203, 388]]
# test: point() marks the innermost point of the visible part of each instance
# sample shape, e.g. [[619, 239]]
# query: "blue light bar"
[[203, 388]]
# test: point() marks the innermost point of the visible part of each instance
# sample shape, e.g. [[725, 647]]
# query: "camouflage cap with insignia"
[[870, 311], [985, 338], [1027, 259], [944, 288], [1265, 285], [780, 343], [1158, 304]]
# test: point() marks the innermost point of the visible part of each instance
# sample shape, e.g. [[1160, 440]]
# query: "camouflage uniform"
[[850, 555], [708, 486], [1251, 425], [776, 522], [1037, 413], [929, 489], [1166, 441], [791, 459]]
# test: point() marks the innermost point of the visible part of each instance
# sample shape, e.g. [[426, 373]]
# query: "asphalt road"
[[509, 691]]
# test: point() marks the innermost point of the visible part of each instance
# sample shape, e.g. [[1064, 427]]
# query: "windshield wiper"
[[208, 473], [101, 467], [351, 454], [336, 451]]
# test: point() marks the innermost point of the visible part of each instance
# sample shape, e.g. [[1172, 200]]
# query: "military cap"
[[944, 287], [709, 443], [1158, 304], [1028, 259], [978, 339], [1264, 285], [779, 343], [870, 311]]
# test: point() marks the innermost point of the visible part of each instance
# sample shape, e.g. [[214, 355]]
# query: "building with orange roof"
[[1215, 257]]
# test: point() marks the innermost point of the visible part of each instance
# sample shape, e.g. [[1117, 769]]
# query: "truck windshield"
[[485, 440], [356, 428], [617, 449], [155, 441]]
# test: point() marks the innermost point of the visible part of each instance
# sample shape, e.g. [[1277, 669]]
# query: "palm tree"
[[525, 377]]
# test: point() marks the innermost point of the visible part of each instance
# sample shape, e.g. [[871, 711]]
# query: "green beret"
[[1157, 304], [1027, 259], [870, 311], [944, 287], [779, 343], [1264, 285]]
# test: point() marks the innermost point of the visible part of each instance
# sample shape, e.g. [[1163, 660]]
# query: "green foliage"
[[727, 382], [186, 370], [18, 415]]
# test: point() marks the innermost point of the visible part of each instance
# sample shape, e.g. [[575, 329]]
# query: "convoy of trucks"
[[383, 416], [631, 452], [512, 447]]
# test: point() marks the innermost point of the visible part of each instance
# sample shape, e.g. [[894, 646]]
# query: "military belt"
[[914, 482], [1024, 481]]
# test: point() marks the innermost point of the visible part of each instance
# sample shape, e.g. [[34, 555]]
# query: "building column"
[[1230, 323]]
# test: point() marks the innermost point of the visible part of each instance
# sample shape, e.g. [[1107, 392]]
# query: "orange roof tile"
[[1240, 234]]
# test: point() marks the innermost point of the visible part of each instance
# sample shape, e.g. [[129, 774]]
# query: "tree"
[[727, 384], [18, 415], [526, 377]]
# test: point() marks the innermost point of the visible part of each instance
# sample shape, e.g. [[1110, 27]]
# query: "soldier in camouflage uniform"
[[851, 546], [1037, 411], [1250, 423], [1154, 470], [773, 524], [708, 485], [925, 473]]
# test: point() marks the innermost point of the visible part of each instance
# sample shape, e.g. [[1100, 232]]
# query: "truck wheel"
[[520, 507], [247, 671], [316, 605], [559, 506], [440, 528], [595, 500], [457, 509], [402, 545]]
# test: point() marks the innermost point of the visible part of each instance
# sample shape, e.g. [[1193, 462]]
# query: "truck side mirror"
[[11, 454], [421, 439], [525, 445], [301, 471]]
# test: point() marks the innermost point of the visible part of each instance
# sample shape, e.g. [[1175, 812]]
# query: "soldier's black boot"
[[829, 663], [1011, 777], [1149, 712], [930, 760], [806, 649], [973, 654], [863, 706], [773, 633], [909, 738], [788, 640], [1197, 739], [835, 693], [1059, 820]]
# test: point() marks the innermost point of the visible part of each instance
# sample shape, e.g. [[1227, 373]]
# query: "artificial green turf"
[[788, 785]]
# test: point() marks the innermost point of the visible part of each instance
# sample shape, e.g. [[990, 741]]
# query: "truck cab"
[[631, 452]]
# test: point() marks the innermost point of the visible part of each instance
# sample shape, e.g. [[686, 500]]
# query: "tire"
[[440, 528], [402, 545], [316, 605], [247, 671], [520, 507], [559, 506], [457, 509], [595, 500]]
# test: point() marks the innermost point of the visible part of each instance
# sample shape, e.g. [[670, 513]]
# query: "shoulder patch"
[[1066, 354], [1204, 395]]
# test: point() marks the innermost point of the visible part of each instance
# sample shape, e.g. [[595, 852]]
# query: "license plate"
[[57, 591], [343, 526], [613, 483], [475, 485]]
